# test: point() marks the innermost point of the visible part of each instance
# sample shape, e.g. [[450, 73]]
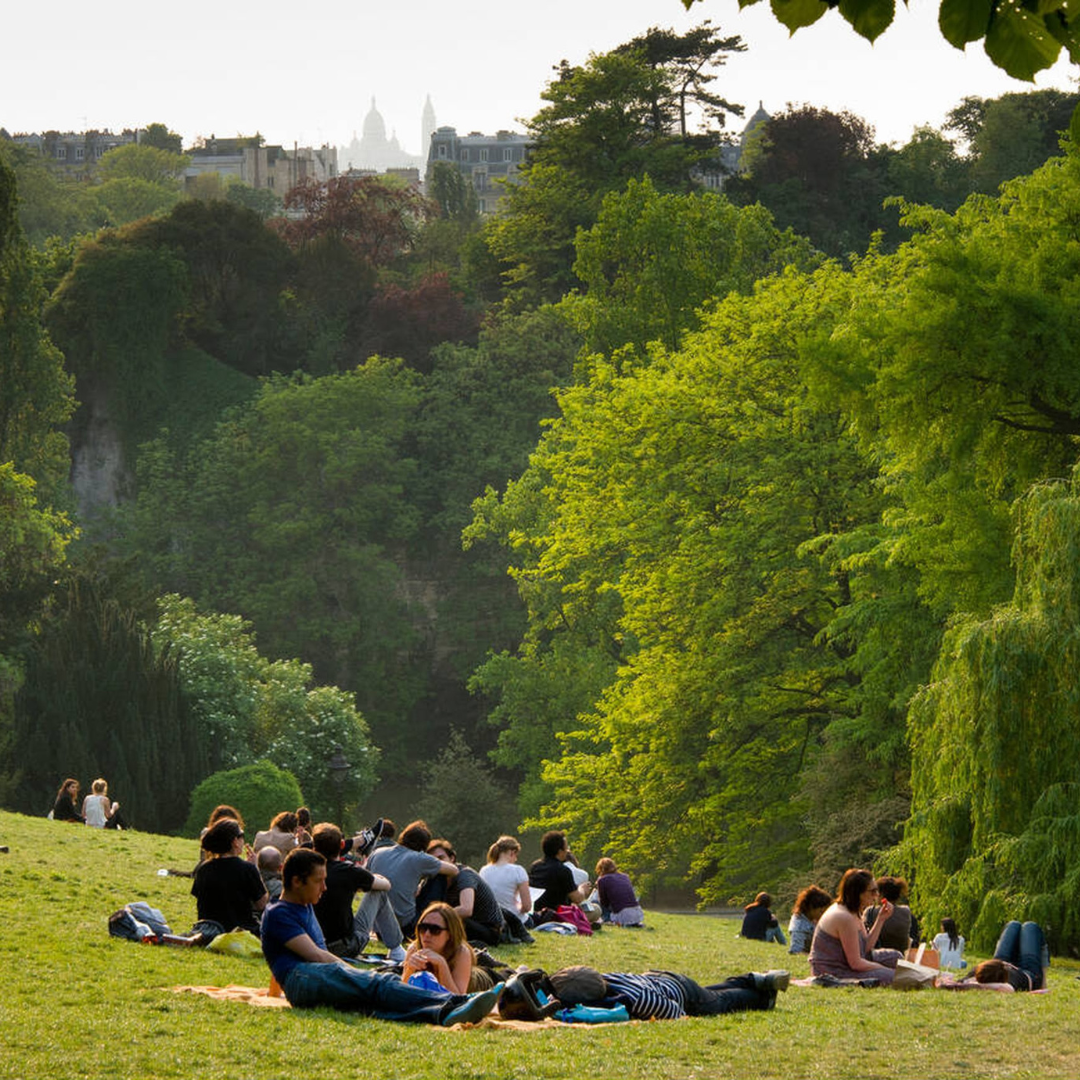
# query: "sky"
[[308, 75]]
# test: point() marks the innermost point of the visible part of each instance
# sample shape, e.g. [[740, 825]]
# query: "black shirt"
[[486, 910], [64, 809], [334, 909], [555, 878], [756, 921], [225, 890]]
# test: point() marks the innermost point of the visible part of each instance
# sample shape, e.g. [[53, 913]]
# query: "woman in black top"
[[64, 807], [759, 923], [228, 890]]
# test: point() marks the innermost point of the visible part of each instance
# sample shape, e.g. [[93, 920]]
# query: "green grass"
[[76, 1003]]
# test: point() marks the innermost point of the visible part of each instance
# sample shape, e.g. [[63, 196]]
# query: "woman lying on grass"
[[1018, 964]]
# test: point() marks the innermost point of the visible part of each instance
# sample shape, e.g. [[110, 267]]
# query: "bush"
[[258, 791]]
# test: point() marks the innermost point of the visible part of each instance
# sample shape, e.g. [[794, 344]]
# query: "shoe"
[[396, 955], [770, 983], [369, 838], [474, 1008]]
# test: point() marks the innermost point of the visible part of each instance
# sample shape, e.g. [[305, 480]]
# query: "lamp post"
[[339, 773]]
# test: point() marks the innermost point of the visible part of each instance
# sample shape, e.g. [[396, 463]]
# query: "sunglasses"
[[430, 928]]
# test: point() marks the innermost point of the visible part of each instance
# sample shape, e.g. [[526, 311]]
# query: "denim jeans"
[[375, 910], [377, 994], [774, 933], [737, 994], [1024, 947]]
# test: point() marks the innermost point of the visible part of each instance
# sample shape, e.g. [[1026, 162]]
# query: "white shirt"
[[949, 957], [504, 879], [94, 810]]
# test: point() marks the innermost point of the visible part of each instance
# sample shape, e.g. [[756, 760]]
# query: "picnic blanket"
[[260, 996]]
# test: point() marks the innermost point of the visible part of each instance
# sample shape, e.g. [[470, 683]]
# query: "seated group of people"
[[98, 810], [862, 934], [310, 975]]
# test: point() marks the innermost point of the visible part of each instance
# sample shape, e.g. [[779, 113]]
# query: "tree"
[[453, 193], [1011, 135], [143, 162], [652, 261], [294, 514], [1018, 39], [124, 199], [100, 700], [161, 138], [927, 169], [620, 116], [370, 216], [821, 174], [37, 393], [992, 833], [464, 801]]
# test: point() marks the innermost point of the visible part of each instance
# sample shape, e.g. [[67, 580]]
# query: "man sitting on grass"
[[295, 949]]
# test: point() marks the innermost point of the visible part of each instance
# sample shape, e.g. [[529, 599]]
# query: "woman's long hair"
[[66, 784], [948, 926], [456, 937]]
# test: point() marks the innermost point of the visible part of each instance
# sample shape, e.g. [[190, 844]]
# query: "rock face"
[[99, 469]]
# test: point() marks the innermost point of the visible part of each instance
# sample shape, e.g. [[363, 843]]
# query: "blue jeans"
[[375, 910], [1024, 947], [774, 933], [377, 994]]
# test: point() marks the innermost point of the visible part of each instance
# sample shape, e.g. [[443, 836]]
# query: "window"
[[464, 154], [483, 153], [483, 206], [442, 151], [508, 154], [61, 153], [80, 153]]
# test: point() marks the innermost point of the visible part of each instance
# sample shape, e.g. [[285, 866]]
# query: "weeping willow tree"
[[995, 737], [100, 700]]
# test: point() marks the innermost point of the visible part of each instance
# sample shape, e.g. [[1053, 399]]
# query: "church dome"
[[374, 125]]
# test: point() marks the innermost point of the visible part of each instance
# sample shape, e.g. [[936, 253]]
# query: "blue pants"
[[377, 994], [1024, 946]]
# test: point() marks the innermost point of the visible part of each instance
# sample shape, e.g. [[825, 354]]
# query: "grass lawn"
[[76, 1003]]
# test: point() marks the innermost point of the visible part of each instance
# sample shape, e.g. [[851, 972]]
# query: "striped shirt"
[[647, 996]]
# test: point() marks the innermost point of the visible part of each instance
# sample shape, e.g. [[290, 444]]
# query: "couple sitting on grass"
[[310, 976]]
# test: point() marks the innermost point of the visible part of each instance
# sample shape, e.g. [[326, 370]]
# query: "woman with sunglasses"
[[440, 948], [842, 947]]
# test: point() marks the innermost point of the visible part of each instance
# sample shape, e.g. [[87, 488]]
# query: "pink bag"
[[572, 914]]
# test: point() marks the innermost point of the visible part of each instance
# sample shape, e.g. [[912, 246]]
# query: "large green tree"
[[620, 116]]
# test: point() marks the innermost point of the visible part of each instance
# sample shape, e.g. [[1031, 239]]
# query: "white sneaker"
[[396, 954]]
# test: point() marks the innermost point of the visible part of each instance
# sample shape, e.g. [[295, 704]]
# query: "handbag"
[[911, 976]]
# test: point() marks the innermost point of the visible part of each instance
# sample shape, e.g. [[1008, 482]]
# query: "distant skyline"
[[226, 69]]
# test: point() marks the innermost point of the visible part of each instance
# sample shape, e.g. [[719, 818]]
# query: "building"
[[730, 161], [272, 167], [75, 152], [488, 161], [377, 152]]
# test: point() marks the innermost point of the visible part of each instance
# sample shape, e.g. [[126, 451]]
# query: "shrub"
[[258, 791]]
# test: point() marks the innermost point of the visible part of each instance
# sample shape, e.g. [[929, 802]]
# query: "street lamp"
[[339, 773]]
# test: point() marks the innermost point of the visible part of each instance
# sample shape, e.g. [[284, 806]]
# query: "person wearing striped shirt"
[[667, 995]]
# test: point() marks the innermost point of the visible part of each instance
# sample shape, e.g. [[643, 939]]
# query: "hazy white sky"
[[307, 74]]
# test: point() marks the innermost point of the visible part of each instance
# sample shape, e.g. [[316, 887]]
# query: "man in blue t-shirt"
[[310, 976]]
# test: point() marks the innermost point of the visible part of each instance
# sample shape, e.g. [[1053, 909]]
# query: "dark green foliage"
[[99, 700], [236, 271], [463, 801], [36, 393], [821, 174], [259, 791]]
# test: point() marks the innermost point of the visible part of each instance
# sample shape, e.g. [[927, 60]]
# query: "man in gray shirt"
[[405, 864]]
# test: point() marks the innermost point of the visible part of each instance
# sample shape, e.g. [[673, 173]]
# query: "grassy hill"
[[76, 1003]]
